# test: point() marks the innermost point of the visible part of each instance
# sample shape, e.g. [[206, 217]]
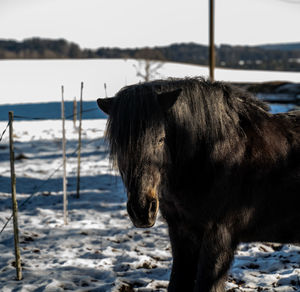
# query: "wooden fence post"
[[74, 112], [105, 89], [64, 157], [14, 199], [79, 144], [211, 40]]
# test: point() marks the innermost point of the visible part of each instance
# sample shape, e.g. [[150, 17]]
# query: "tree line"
[[270, 57]]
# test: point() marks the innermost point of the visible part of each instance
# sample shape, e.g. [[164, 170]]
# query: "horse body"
[[220, 167]]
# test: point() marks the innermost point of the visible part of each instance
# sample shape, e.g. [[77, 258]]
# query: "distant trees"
[[37, 48], [245, 57], [269, 57]]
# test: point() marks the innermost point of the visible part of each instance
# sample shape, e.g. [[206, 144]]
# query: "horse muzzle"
[[143, 215]]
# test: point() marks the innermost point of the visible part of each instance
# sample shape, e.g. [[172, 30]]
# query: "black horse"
[[221, 167]]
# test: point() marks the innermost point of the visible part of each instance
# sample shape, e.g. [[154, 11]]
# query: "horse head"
[[137, 138]]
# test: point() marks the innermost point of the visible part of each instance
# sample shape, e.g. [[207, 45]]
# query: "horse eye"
[[161, 141]]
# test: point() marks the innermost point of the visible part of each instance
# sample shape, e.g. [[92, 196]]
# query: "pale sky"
[[137, 23]]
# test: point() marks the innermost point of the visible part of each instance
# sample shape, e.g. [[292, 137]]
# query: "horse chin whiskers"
[[141, 225]]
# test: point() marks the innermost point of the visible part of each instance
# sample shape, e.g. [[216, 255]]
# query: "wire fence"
[[38, 187], [46, 119], [36, 190], [40, 119], [3, 132]]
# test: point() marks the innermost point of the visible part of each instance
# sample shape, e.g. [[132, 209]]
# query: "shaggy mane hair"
[[218, 110]]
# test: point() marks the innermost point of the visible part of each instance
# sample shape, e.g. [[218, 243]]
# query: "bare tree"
[[149, 62]]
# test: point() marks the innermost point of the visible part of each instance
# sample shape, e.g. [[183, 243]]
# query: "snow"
[[99, 249], [36, 81]]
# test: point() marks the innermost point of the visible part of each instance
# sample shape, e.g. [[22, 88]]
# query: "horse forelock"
[[133, 119]]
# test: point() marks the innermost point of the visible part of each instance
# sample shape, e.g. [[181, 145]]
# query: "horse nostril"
[[153, 207]]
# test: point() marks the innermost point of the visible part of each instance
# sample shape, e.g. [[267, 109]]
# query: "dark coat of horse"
[[222, 169]]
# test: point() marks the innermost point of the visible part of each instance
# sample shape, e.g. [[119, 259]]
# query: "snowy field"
[[36, 81], [99, 249]]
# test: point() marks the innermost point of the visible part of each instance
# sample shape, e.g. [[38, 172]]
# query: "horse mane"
[[211, 115]]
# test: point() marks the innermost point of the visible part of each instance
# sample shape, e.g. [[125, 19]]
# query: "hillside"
[[282, 47], [277, 57]]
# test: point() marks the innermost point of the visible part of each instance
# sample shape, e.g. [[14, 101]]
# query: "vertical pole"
[[211, 40], [14, 199], [74, 112], [105, 89], [65, 200], [79, 144]]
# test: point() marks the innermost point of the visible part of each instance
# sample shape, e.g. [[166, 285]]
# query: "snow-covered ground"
[[99, 249]]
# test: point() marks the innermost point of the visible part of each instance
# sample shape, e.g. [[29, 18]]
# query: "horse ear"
[[168, 99], [105, 104]]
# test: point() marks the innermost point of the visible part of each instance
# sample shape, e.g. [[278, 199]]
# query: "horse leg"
[[216, 255], [185, 259]]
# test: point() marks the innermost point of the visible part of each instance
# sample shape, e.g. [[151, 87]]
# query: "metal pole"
[[79, 144], [14, 197], [64, 157], [211, 40]]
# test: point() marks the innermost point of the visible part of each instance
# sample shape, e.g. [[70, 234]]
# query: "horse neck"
[[255, 139]]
